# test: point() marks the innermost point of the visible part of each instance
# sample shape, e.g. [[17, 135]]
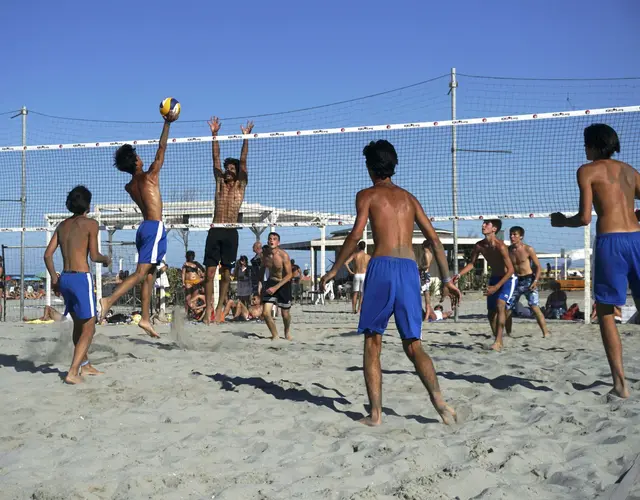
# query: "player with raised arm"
[[221, 247], [610, 186], [393, 280], [77, 238], [524, 257], [151, 238], [502, 282]]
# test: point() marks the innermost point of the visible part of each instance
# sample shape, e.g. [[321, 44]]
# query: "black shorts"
[[282, 297], [221, 247]]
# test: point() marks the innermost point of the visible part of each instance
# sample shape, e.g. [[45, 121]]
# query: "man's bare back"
[[392, 212], [615, 186], [144, 189], [360, 262], [76, 237]]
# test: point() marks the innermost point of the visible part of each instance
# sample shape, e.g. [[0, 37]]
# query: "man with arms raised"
[[522, 256], [502, 282], [77, 238], [151, 238], [275, 283], [360, 261], [611, 187], [393, 280], [221, 247]]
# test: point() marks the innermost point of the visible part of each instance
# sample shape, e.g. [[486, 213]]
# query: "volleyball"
[[170, 105]]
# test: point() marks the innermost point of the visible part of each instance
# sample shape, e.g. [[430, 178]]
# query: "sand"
[[224, 413]]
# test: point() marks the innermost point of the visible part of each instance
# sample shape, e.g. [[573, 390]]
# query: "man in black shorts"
[[276, 285], [222, 243]]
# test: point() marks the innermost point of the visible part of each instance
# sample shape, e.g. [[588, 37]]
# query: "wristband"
[[446, 280]]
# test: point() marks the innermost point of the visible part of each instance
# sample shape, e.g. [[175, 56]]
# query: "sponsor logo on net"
[[78, 145], [235, 136], [320, 131], [43, 147], [192, 139], [509, 118], [562, 113], [360, 129], [411, 125], [614, 110], [276, 134], [459, 122], [116, 143]]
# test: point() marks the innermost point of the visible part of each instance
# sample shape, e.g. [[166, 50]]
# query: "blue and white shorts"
[[79, 295], [151, 242]]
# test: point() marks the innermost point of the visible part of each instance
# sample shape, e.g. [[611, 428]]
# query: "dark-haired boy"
[[276, 285], [522, 257], [221, 247], [611, 187], [77, 237], [393, 280], [151, 238], [502, 282]]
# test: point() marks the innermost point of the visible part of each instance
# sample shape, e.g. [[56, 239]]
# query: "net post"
[[98, 265], [23, 204], [313, 264], [110, 232], [587, 274], [4, 287], [453, 85], [323, 233], [48, 237]]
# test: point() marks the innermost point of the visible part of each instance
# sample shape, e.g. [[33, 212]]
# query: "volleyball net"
[[518, 168]]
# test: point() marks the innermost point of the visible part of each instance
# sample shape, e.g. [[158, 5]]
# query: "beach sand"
[[225, 413]]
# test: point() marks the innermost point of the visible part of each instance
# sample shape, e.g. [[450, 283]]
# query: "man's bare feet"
[[370, 422], [219, 316], [73, 379], [496, 346], [207, 317], [447, 414], [146, 326], [89, 370], [621, 392], [275, 337], [288, 336]]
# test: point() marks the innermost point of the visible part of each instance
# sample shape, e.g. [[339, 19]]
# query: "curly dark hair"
[[381, 158], [126, 158]]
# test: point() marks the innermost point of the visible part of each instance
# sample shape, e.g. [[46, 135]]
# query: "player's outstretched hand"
[[452, 291], [558, 219], [170, 117], [326, 279], [248, 128], [214, 125]]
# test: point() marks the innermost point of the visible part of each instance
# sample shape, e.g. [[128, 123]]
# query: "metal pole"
[[323, 233], [98, 281], [453, 85], [23, 202], [4, 288], [587, 274], [49, 235]]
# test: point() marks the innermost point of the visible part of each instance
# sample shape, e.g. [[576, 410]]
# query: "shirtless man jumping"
[[522, 256], [502, 283], [393, 280], [275, 284], [611, 187], [151, 238], [360, 262], [222, 242], [77, 238]]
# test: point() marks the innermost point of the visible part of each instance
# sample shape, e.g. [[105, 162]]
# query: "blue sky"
[[116, 62]]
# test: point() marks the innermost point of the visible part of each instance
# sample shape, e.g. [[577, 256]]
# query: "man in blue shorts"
[[392, 284], [151, 238], [77, 237], [502, 282], [611, 186], [524, 260]]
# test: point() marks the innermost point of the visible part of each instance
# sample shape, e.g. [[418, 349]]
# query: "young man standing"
[[275, 282], [425, 277], [77, 238], [360, 261], [393, 280], [151, 238], [611, 186], [502, 283], [522, 256]]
